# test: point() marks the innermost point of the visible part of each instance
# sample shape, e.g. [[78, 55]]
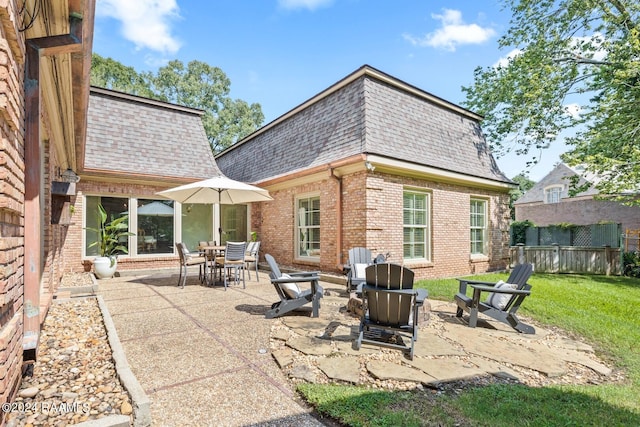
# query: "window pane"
[[415, 220], [308, 222], [115, 208], [234, 223], [155, 226], [478, 228], [197, 224]]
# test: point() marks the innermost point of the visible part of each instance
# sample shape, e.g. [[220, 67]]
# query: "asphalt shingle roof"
[[371, 113], [135, 136]]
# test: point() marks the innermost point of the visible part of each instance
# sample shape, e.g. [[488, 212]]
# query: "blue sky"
[[280, 53]]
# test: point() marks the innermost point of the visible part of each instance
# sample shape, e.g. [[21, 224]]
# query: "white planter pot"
[[103, 268]]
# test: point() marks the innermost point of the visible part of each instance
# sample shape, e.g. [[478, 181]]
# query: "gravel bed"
[[74, 378]]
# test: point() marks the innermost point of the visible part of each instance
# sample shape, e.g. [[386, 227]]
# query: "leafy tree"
[[196, 85], [568, 51], [524, 184], [111, 74]]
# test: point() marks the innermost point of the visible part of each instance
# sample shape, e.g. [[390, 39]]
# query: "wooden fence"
[[569, 259]]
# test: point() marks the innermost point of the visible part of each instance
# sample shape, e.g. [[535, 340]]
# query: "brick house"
[[373, 161], [45, 52], [136, 147], [548, 203]]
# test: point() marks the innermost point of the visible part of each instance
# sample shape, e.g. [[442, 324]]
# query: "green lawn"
[[603, 311]]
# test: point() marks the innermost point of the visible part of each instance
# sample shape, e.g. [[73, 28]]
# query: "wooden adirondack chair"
[[291, 297], [389, 304], [505, 312], [359, 259]]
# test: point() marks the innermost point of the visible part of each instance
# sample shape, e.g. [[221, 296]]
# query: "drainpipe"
[[338, 181], [33, 208]]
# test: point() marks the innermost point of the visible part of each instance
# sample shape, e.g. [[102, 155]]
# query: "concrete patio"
[[206, 356]]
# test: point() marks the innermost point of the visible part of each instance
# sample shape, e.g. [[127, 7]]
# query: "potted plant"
[[109, 243]]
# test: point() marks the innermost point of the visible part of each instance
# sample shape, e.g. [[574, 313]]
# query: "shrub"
[[631, 264]]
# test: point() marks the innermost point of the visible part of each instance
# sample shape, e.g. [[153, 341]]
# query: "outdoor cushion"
[[500, 301], [359, 270], [290, 289]]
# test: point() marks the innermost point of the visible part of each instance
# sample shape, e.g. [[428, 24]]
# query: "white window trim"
[[296, 255], [427, 226], [133, 225]]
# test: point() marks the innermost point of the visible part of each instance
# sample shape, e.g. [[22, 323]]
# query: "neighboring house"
[[45, 48], [373, 161], [136, 147], [548, 202]]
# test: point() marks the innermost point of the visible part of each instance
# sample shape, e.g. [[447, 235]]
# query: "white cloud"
[[504, 61], [573, 110], [453, 32], [146, 23], [590, 46], [304, 4]]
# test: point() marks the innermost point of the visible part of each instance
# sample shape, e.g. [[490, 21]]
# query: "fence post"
[[556, 257], [521, 259], [608, 258]]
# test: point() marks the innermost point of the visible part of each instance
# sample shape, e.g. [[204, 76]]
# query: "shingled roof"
[[139, 138], [560, 175], [367, 112]]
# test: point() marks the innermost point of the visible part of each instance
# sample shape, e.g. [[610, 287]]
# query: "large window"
[[553, 194], [478, 227], [155, 226], [416, 225], [308, 225]]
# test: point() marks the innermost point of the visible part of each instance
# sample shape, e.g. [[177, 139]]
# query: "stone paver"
[[341, 368], [392, 371]]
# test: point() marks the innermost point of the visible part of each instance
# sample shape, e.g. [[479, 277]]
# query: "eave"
[[65, 65], [376, 163]]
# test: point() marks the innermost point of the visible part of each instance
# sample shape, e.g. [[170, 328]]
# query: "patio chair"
[[251, 257], [187, 260], [359, 259], [233, 259], [291, 297], [390, 307], [503, 301]]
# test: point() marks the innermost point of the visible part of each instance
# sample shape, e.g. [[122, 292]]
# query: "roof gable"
[[559, 176], [137, 137]]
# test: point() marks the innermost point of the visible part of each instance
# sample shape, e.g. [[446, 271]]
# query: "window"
[[155, 226], [115, 207], [197, 224], [553, 194], [478, 227], [416, 225], [308, 225], [234, 223]]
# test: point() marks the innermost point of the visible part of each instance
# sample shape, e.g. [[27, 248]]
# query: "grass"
[[601, 310]]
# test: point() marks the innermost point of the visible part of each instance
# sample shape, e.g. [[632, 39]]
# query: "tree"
[[111, 74], [198, 85], [524, 184], [568, 51]]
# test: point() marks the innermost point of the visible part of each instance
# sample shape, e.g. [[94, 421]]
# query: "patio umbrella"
[[220, 190]]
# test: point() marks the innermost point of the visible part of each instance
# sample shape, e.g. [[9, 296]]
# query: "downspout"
[[35, 48], [338, 181]]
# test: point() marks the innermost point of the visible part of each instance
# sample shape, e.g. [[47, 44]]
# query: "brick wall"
[[11, 211], [372, 217]]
